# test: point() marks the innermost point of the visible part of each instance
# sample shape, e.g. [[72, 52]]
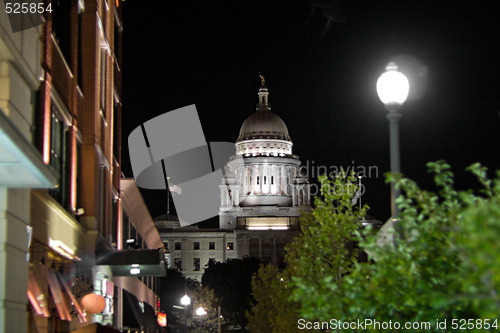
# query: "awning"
[[57, 284], [79, 309], [21, 165], [36, 297], [134, 262], [58, 296]]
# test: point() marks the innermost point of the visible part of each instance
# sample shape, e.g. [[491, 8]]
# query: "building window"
[[102, 201], [258, 179], [178, 245], [58, 157], [211, 245], [114, 222], [196, 264], [61, 26], [230, 245], [166, 245], [116, 128], [196, 245], [178, 264], [103, 58]]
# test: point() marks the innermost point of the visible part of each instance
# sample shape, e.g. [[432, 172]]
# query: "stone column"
[[283, 179], [14, 218], [246, 247], [248, 179], [260, 177]]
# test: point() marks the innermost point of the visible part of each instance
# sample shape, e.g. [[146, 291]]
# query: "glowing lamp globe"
[[93, 303], [185, 300], [201, 311], [393, 86]]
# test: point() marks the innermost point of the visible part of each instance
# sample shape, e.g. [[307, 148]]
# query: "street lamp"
[[185, 301], [393, 88], [200, 312]]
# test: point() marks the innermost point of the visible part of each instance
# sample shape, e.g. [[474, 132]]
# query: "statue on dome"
[[262, 80]]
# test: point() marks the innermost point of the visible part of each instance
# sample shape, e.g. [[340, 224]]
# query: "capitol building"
[[262, 195]]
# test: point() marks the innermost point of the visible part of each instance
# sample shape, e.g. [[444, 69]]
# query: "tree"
[[173, 287], [440, 267], [204, 297], [443, 264], [231, 282], [324, 252], [273, 311]]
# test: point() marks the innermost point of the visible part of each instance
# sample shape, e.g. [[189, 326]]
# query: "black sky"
[[322, 78]]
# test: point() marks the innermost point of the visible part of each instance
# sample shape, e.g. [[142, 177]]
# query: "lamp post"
[[200, 312], [185, 301], [393, 88]]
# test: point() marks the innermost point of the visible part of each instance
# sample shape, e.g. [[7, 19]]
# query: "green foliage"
[[317, 261], [231, 281], [324, 253], [442, 264], [202, 297], [173, 287], [273, 312]]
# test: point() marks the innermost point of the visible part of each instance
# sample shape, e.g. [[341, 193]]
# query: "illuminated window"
[[230, 245]]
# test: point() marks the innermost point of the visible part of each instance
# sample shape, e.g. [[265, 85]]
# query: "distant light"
[[135, 265], [162, 319], [280, 228], [130, 241], [258, 228], [185, 300], [201, 311], [268, 227], [135, 271], [393, 86]]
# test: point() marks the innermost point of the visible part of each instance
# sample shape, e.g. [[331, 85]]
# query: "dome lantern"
[[263, 124]]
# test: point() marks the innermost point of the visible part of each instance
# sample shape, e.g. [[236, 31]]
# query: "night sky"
[[321, 60]]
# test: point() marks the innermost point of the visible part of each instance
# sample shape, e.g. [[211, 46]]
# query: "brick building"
[[68, 111]]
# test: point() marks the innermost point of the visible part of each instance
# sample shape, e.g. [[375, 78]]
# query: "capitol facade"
[[262, 195]]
